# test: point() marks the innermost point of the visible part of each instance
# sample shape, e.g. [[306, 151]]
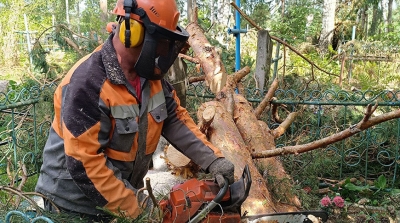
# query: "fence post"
[[28, 39], [263, 59]]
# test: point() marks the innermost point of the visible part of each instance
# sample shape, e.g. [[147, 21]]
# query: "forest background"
[[61, 32]]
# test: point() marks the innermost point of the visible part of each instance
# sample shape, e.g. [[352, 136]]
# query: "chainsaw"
[[204, 201]]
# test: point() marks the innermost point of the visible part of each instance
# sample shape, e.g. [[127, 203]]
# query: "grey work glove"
[[222, 168]]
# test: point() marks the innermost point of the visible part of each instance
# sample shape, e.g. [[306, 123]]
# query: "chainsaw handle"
[[221, 192], [212, 204]]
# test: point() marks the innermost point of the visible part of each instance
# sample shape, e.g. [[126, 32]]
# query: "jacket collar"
[[111, 65]]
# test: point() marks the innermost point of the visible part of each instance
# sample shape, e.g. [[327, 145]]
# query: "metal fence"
[[366, 155], [25, 120], [25, 123]]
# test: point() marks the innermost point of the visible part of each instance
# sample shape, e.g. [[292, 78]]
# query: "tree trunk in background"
[[222, 14], [176, 75], [213, 11], [10, 38], [67, 12], [389, 16], [190, 7], [223, 11], [374, 21], [307, 33], [104, 13], [78, 12], [328, 25]]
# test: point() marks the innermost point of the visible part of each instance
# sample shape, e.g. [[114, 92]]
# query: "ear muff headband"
[[131, 31]]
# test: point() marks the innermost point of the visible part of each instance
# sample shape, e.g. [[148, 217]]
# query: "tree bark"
[[103, 13], [258, 139], [389, 16], [263, 60], [328, 25], [211, 61], [376, 18], [237, 144], [224, 134]]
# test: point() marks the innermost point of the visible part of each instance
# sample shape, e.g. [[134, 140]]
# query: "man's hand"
[[222, 168]]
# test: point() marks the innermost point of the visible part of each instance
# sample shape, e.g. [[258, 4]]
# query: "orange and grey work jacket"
[[102, 138]]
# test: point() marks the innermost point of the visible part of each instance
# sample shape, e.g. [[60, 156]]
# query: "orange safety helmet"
[[154, 24], [161, 12]]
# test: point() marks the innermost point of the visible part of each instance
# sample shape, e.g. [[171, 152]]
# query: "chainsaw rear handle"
[[203, 213]]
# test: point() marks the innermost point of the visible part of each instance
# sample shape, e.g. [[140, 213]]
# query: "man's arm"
[[181, 131]]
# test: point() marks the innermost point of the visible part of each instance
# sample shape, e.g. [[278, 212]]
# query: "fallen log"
[[215, 74], [223, 133], [257, 139]]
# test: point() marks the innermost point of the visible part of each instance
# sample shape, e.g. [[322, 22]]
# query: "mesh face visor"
[[160, 49]]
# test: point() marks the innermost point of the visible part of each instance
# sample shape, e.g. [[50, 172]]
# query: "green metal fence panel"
[[25, 118], [365, 155], [20, 130]]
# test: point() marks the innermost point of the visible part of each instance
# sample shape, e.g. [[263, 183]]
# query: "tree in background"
[[11, 21], [86, 19], [328, 25]]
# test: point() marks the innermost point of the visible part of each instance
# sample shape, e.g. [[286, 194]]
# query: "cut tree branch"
[[240, 74], [275, 114], [233, 79], [267, 99], [365, 123], [196, 79], [206, 119], [73, 45], [189, 58], [284, 125]]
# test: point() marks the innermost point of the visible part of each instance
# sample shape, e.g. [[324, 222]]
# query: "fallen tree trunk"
[[223, 133], [221, 130], [257, 139], [211, 63]]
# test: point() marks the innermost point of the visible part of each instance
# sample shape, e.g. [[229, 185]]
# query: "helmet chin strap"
[[128, 4]]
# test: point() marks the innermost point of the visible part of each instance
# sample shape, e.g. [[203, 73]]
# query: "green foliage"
[[292, 25], [380, 183], [39, 59], [376, 194], [12, 85]]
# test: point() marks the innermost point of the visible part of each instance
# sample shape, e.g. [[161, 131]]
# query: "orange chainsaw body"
[[187, 198]]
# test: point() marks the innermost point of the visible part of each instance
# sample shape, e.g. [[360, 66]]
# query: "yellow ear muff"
[[137, 33]]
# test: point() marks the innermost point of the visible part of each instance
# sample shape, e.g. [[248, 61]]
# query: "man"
[[110, 110]]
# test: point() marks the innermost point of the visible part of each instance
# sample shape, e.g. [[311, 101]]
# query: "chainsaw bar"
[[287, 217]]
